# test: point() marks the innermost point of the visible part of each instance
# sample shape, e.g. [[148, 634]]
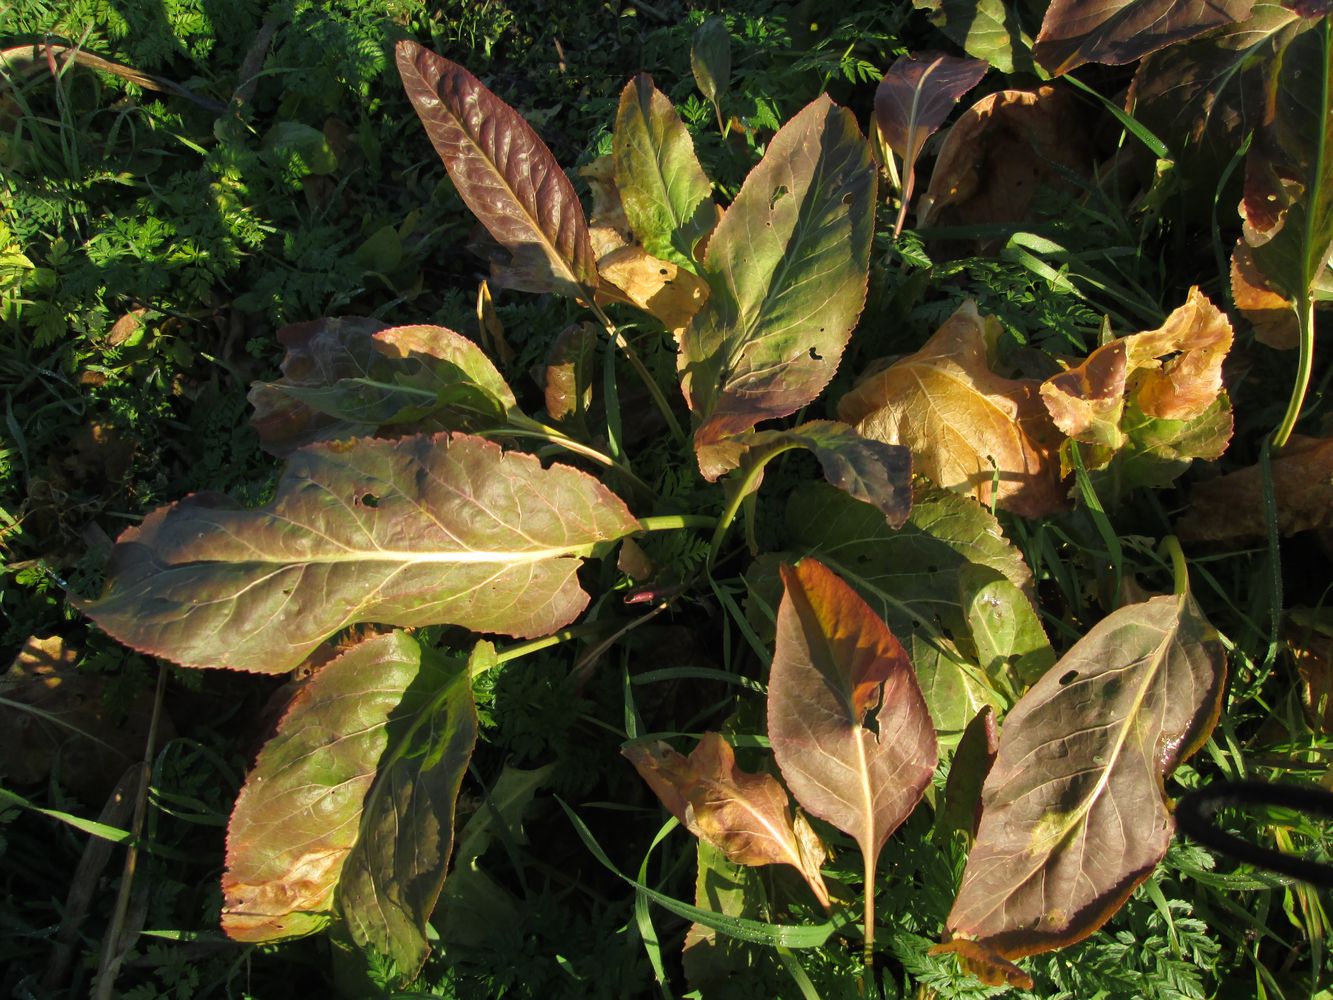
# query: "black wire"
[[1195, 813]]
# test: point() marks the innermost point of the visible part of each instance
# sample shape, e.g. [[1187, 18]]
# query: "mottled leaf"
[[503, 172], [1005, 156], [343, 378], [986, 29], [1173, 373], [1075, 32], [870, 471], [569, 371], [393, 875], [666, 195], [787, 270], [710, 59], [966, 426], [913, 578], [417, 531], [746, 816], [1074, 815], [301, 812], [960, 809], [846, 718], [1231, 507], [914, 98], [1272, 316]]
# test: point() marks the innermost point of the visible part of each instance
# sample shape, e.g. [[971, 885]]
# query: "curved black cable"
[[1195, 813]]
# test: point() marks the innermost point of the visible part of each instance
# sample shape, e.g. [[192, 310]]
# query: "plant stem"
[[636, 362], [743, 488], [675, 522], [1304, 366], [1179, 569], [524, 426], [868, 955], [554, 639]]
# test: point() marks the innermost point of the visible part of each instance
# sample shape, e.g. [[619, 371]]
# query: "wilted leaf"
[[986, 29], [787, 271], [913, 577], [710, 59], [1002, 153], [1204, 96], [1272, 316], [489, 327], [667, 292], [1173, 373], [847, 721], [1231, 507], [503, 172], [1158, 451], [666, 195], [608, 229], [1288, 204], [300, 813], [744, 815], [1075, 32], [1074, 815], [417, 531], [568, 377], [960, 809], [394, 872], [870, 471], [966, 426], [914, 98]]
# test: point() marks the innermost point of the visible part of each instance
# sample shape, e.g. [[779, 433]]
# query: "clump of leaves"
[[407, 503]]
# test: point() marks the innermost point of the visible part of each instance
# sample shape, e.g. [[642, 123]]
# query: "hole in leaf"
[[932, 569], [368, 500], [1069, 677], [661, 270], [847, 198], [778, 195], [815, 355]]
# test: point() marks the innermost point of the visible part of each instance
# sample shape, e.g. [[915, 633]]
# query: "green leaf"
[[394, 873], [1074, 815], [302, 811], [986, 29], [345, 377], [504, 173], [1075, 32], [787, 270], [1011, 646], [301, 148], [711, 960], [834, 664], [710, 59], [666, 196], [417, 531]]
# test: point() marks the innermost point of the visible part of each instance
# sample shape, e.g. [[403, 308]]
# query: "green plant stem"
[[675, 522], [868, 955], [1304, 366], [524, 426], [744, 487], [1180, 574], [650, 383], [547, 641]]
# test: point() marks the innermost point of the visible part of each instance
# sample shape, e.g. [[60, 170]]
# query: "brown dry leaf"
[[1001, 153], [1231, 507], [1270, 314], [125, 327], [985, 963], [490, 327], [965, 425], [660, 288], [607, 228], [1313, 653]]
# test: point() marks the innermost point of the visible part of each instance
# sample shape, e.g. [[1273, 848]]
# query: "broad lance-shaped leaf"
[[744, 815], [347, 377], [417, 531], [834, 664], [787, 270], [912, 101], [1074, 815], [710, 60], [394, 874], [1075, 32], [666, 195], [967, 427], [504, 173], [342, 764]]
